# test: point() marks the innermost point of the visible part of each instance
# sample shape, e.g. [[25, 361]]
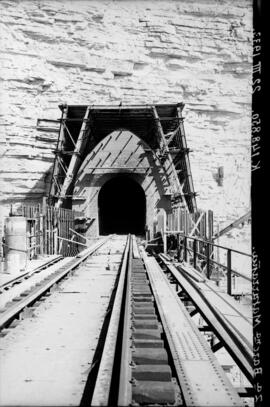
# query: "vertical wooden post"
[[41, 236], [185, 248], [60, 234], [207, 260], [55, 232], [179, 249], [165, 231], [229, 271], [51, 230], [48, 229], [66, 234], [61, 213], [205, 226], [210, 225], [195, 253], [35, 240], [44, 226], [56, 228]]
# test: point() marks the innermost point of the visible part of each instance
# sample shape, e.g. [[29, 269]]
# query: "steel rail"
[[201, 279], [204, 280], [135, 370], [23, 276], [145, 376], [227, 302], [6, 316], [198, 278], [102, 389], [125, 389], [233, 342]]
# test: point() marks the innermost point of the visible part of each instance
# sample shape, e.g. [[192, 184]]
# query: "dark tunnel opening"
[[122, 207]]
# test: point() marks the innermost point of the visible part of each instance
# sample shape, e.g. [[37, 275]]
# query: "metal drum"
[[15, 244]]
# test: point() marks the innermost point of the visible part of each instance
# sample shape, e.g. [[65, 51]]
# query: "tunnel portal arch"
[[121, 206]]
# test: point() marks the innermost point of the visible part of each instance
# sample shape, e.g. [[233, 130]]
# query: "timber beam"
[[168, 157], [56, 170], [75, 160]]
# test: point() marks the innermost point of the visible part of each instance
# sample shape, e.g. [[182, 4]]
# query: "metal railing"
[[200, 254]]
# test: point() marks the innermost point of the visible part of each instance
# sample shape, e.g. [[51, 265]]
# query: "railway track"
[[148, 350], [11, 282], [153, 353], [230, 324], [23, 296], [49, 338]]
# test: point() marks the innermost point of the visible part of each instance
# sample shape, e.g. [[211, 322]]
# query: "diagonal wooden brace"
[[75, 160]]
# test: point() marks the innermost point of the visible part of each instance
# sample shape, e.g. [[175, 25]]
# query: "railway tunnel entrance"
[[122, 207]]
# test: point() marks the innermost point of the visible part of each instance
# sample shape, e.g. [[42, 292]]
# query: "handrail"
[[237, 273], [216, 245], [189, 249], [235, 343]]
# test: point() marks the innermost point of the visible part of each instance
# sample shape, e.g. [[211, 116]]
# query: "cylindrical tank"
[[15, 244]]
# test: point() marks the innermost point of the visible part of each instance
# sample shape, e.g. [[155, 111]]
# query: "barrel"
[[15, 244]]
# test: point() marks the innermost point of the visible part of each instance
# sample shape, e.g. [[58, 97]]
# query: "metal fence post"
[[195, 253], [229, 271]]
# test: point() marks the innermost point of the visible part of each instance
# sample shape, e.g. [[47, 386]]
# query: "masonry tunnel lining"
[[122, 207]]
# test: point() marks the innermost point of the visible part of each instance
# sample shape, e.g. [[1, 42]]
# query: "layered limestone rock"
[[103, 52]]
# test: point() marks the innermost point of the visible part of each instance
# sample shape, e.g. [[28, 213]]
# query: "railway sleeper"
[[145, 304], [140, 285], [142, 295], [142, 298], [146, 333], [153, 392], [148, 343], [146, 324], [150, 356], [156, 373], [141, 290], [144, 310]]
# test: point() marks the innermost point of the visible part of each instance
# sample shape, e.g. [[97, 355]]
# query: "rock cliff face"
[[104, 52]]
